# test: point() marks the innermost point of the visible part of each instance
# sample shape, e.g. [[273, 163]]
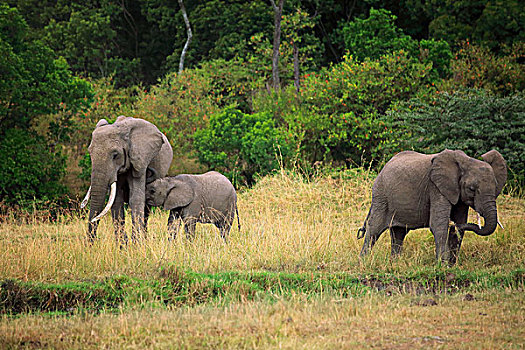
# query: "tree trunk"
[[277, 15], [190, 36], [296, 67]]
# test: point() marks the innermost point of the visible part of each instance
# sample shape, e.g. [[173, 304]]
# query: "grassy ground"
[[290, 278]]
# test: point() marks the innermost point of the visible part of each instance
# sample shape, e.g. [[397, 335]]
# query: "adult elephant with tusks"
[[416, 190], [125, 156]]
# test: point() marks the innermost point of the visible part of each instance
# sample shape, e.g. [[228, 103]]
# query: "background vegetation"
[[359, 82]]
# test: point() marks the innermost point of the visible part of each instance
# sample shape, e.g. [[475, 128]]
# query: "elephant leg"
[[137, 201], [117, 213], [455, 236], [189, 227], [439, 219], [92, 231], [147, 211], [224, 229], [397, 237], [375, 225], [173, 228]]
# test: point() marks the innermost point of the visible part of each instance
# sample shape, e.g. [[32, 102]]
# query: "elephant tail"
[[362, 230], [238, 222]]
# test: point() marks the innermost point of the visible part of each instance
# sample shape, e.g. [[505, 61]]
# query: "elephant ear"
[[145, 141], [445, 173], [499, 166], [101, 122], [180, 195]]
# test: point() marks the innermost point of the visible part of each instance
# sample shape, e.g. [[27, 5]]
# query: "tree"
[[377, 35], [277, 16], [33, 83]]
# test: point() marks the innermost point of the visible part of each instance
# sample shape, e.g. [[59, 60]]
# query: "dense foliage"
[[35, 86], [241, 145], [29, 171], [349, 73], [472, 121]]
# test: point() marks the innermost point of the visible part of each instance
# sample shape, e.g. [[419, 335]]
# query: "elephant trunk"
[[111, 199], [98, 196], [490, 213]]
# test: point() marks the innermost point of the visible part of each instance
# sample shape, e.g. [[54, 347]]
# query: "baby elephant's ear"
[[180, 195]]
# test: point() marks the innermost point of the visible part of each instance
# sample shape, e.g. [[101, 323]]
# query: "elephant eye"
[[115, 155], [471, 188]]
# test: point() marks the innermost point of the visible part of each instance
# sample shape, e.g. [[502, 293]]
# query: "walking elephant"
[[123, 155], [206, 198], [416, 190]]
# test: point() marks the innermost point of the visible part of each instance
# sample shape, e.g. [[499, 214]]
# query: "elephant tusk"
[[86, 199], [111, 199], [479, 220], [500, 225]]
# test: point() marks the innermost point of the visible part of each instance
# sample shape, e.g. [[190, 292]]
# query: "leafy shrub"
[[240, 145], [477, 67], [378, 35], [473, 121], [338, 116], [29, 171], [178, 105], [440, 54], [375, 36]]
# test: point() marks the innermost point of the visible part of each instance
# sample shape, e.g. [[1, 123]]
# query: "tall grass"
[[288, 223]]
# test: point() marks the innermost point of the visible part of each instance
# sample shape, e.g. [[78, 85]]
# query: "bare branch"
[[190, 36]]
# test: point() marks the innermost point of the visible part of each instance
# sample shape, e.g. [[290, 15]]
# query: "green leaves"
[[29, 171], [473, 121], [378, 35], [339, 115], [241, 145], [34, 86]]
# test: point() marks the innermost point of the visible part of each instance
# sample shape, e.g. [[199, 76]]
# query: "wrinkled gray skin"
[[206, 198], [417, 190], [123, 152]]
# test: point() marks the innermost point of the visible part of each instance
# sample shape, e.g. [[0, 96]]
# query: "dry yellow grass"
[[491, 321], [288, 223]]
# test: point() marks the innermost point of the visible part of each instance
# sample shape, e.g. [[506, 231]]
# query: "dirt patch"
[[447, 284]]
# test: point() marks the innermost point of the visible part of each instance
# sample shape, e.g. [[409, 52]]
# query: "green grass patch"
[[174, 287]]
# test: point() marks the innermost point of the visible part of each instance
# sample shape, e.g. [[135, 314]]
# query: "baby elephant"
[[206, 198]]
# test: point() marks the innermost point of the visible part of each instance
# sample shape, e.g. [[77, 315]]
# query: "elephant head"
[[170, 193], [127, 146], [474, 182]]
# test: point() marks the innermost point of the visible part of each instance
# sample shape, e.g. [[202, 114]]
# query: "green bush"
[[240, 145], [375, 36], [339, 114], [477, 67], [29, 171], [473, 121], [378, 35], [178, 105]]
